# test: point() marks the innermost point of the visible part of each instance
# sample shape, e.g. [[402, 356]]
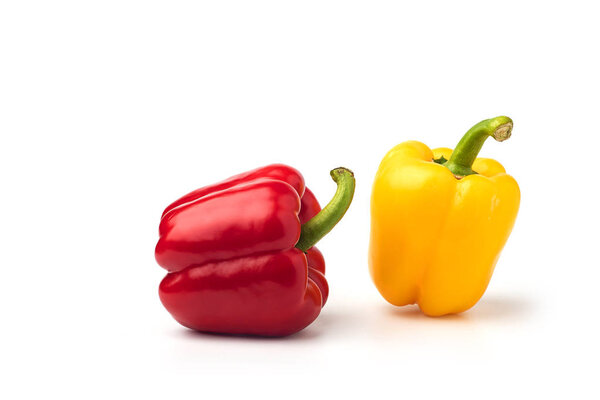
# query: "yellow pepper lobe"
[[435, 239]]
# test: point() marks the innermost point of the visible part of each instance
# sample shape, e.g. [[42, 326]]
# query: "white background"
[[109, 110]]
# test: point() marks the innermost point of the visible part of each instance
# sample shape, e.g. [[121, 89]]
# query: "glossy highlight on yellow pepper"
[[439, 221]]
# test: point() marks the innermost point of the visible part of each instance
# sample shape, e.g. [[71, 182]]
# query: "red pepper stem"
[[466, 151], [322, 223]]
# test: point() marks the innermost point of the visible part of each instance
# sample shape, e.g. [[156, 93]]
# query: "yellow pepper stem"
[[466, 151]]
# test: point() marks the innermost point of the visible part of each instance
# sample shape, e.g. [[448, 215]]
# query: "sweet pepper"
[[240, 255], [439, 220]]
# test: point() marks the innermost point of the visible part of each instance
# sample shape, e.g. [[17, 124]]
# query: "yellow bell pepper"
[[439, 220]]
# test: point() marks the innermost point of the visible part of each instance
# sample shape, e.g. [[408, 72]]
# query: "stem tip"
[[337, 173], [503, 132]]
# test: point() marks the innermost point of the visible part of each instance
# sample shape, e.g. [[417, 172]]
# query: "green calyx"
[[322, 223], [466, 151], [442, 160]]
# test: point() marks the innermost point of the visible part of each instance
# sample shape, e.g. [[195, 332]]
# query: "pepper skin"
[[233, 255], [439, 220]]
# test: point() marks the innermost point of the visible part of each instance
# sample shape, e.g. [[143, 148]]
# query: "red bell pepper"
[[240, 253]]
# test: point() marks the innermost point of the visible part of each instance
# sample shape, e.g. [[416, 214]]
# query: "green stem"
[[466, 151], [322, 223]]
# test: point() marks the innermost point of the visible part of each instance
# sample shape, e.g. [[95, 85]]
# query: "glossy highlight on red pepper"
[[232, 257]]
